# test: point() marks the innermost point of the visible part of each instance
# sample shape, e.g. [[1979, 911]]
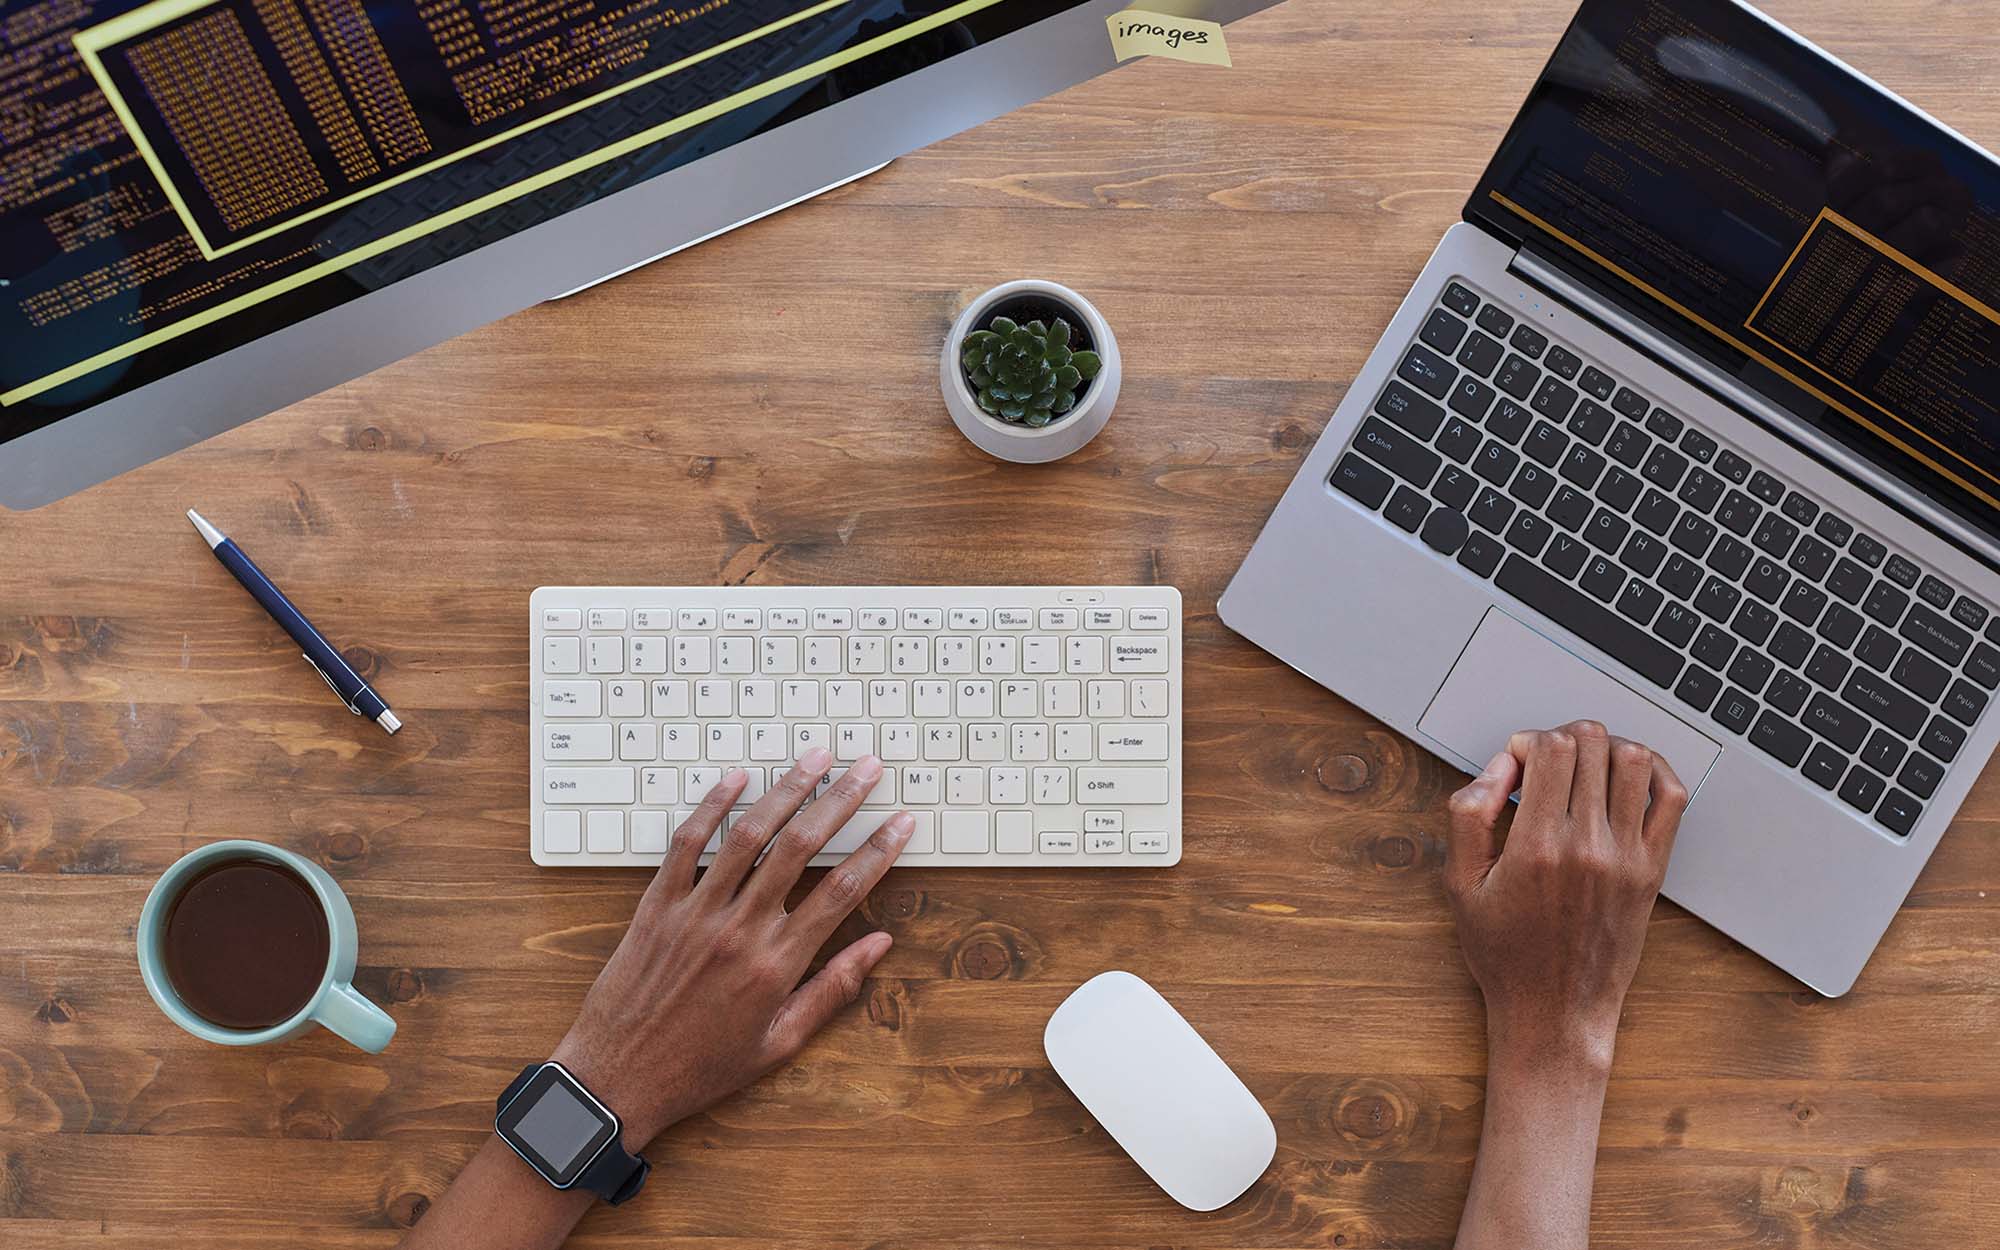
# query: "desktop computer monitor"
[[212, 208]]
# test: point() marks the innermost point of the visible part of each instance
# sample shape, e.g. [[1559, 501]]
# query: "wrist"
[[1572, 1048], [641, 1111]]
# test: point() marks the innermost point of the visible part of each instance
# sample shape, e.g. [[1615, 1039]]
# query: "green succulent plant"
[[1026, 374]]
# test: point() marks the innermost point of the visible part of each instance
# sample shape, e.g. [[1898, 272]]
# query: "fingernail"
[[816, 760], [900, 827], [868, 768], [733, 776]]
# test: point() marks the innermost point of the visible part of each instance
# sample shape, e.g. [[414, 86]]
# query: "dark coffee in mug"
[[245, 944]]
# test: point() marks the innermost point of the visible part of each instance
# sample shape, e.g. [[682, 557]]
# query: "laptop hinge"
[[1900, 494]]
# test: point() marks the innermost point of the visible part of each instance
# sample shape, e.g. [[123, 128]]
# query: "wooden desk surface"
[[764, 409]]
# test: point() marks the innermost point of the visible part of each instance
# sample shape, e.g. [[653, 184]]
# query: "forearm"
[[498, 1203], [1538, 1146]]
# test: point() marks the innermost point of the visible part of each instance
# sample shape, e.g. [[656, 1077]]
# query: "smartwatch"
[[567, 1135]]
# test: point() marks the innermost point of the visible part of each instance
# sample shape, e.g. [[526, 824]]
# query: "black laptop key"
[[1713, 647], [1765, 487], [1602, 578], [1582, 466], [1828, 667], [1836, 722], [1766, 580], [1406, 509], [1935, 591], [1738, 513], [1692, 534], [1480, 354], [1835, 529], [1445, 530], [1968, 612], [1565, 555], [1861, 789], [1454, 487], [1698, 688], [1898, 812], [1495, 463], [1665, 425], [1481, 553], [1903, 572], [1597, 382], [1355, 476], [1780, 738], [1735, 710], [1884, 752], [1664, 467], [1627, 444], [1732, 466], [1619, 489], [1591, 422], [1677, 624], [1823, 766], [1701, 490], [1553, 399], [1729, 557], [1495, 321], [1751, 669], [1640, 602], [1459, 439], [1775, 535], [1935, 634], [1530, 341], [1964, 702], [1920, 675], [1410, 410], [1698, 445], [1840, 625], [1790, 645], [1460, 300], [1471, 398], [1875, 695], [1492, 511], [1427, 371], [1848, 581], [1508, 421], [1397, 452], [1606, 530], [1442, 331], [1983, 666], [1811, 558], [1717, 599], [1803, 603], [1885, 603], [1532, 485], [1877, 648], [1788, 692], [1630, 402], [1589, 620], [1656, 512], [1921, 775], [1643, 554], [1868, 549], [1563, 361], [1517, 377], [1754, 622], [1800, 508], [1529, 533], [1680, 576], [1545, 444]]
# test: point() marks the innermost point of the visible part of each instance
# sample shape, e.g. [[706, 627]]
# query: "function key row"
[[874, 620]]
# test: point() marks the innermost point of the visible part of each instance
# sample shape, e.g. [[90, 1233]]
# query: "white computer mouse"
[[1160, 1090]]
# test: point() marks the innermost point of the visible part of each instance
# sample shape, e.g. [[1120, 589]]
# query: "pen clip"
[[329, 683]]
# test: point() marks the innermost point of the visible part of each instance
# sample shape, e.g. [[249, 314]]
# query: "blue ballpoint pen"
[[353, 691]]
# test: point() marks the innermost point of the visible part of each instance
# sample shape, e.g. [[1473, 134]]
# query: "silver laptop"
[[1692, 426]]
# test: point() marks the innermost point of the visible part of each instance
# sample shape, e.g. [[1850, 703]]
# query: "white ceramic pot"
[[1020, 443]]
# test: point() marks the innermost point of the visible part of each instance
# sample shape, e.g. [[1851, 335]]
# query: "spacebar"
[[1589, 620]]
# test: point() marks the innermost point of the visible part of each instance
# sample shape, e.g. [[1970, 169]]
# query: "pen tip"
[[209, 534]]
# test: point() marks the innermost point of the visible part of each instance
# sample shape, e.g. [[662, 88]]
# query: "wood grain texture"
[[707, 420]]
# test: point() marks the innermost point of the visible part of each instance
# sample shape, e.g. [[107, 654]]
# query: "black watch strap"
[[615, 1175]]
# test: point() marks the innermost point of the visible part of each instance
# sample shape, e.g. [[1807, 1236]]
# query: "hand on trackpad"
[[1509, 678]]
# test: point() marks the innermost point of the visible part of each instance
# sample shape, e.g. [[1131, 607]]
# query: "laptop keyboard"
[[1679, 556]]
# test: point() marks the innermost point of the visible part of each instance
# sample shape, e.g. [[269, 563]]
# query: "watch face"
[[556, 1125]]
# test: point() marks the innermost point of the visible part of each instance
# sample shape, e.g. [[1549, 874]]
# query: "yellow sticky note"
[[1138, 32]]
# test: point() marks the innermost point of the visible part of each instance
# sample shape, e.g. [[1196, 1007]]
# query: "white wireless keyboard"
[[1021, 726]]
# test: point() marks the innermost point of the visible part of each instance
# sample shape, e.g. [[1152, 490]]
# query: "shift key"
[[588, 785], [1121, 785]]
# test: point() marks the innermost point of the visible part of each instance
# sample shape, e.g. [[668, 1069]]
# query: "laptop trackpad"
[[1509, 677]]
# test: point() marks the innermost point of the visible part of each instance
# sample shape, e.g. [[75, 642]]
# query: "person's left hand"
[[702, 996]]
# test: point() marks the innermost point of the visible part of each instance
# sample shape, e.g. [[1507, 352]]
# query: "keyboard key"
[[1800, 508], [1565, 555], [1699, 446], [1717, 599], [1836, 722], [600, 786], [1983, 666], [1442, 331], [1508, 421], [1591, 422], [1606, 530], [1410, 410], [1935, 592], [1460, 300], [1529, 534], [1750, 670], [1495, 321], [1921, 775], [1639, 601], [1589, 620], [1630, 402], [1664, 467], [1643, 554], [1790, 645], [1495, 463], [1861, 789], [1729, 557], [1355, 476], [1921, 676], [1964, 702], [1899, 812], [1563, 361], [1665, 425], [1126, 787], [1839, 625], [1754, 622], [1828, 667], [1570, 508], [1427, 371], [1811, 558], [1459, 439], [1582, 466], [1968, 612], [1454, 487], [1627, 445], [1738, 513], [1884, 752], [1692, 534], [1868, 549], [1657, 513], [1701, 490], [1481, 554], [1734, 710], [1597, 382], [1530, 341], [1902, 572], [1480, 354], [1397, 452], [1885, 603], [1835, 530], [1444, 532], [1780, 738], [1677, 624], [1698, 688], [1765, 487], [1517, 377], [1545, 444], [1732, 466], [1848, 581], [1876, 696], [1788, 692], [1603, 579], [1471, 398], [1619, 489], [1493, 510], [1532, 485], [1553, 399], [1775, 536], [1680, 576], [1714, 647], [1935, 634], [1824, 766]]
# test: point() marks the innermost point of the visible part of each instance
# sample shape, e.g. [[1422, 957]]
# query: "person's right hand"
[[1552, 914]]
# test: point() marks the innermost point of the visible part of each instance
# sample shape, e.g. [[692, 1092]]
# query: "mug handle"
[[354, 1018]]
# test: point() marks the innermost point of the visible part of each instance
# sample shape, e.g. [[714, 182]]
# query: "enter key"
[[1132, 742]]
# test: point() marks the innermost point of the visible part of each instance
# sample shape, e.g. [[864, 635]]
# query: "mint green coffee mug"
[[335, 1004]]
